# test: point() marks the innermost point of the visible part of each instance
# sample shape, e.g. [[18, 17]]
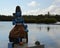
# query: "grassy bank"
[[34, 19], [46, 20]]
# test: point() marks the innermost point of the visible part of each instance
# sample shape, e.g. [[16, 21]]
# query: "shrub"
[[50, 20]]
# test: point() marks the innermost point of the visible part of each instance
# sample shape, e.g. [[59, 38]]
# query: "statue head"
[[18, 9]]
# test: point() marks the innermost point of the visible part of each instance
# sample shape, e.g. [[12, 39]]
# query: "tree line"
[[47, 18]]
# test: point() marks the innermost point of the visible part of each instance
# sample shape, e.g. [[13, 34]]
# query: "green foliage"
[[50, 20], [34, 19]]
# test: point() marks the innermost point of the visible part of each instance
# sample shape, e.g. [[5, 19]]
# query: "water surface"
[[49, 35]]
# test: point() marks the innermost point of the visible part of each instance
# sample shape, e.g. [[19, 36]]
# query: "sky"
[[30, 7]]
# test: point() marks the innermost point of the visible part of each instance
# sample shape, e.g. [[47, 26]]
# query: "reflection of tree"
[[48, 28], [40, 28]]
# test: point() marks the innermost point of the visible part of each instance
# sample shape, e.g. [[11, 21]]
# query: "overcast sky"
[[30, 7]]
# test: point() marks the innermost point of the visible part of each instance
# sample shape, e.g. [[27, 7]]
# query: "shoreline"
[[37, 23]]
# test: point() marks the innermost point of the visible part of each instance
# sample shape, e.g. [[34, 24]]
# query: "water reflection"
[[49, 35], [48, 28]]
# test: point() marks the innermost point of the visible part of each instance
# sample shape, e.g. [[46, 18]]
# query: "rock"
[[37, 43]]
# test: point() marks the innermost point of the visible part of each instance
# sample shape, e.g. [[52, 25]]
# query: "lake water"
[[49, 35]]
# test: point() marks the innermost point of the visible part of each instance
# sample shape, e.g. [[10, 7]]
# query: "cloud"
[[56, 2], [54, 8], [33, 4], [31, 12]]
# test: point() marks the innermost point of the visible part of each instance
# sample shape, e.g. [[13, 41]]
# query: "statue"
[[17, 16], [20, 29]]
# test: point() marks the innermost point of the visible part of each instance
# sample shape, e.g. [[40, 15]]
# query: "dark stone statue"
[[19, 31]]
